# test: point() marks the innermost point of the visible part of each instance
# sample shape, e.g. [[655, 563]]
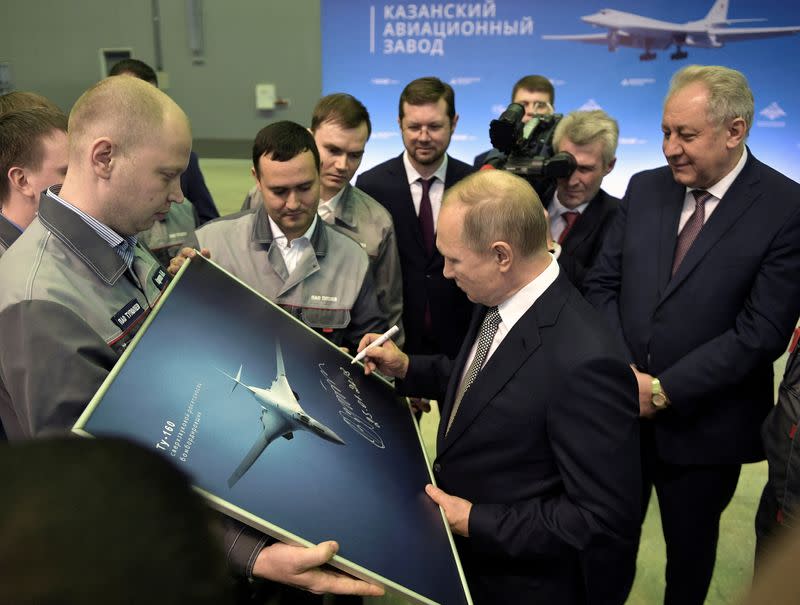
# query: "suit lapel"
[[519, 344], [406, 212], [585, 224], [730, 208], [669, 218], [446, 406]]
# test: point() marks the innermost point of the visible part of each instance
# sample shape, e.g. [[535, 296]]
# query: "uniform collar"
[[84, 241], [262, 233]]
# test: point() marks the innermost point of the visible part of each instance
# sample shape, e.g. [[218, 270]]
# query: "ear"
[[255, 176], [18, 181], [610, 166], [453, 123], [737, 131], [503, 255], [102, 156], [400, 123]]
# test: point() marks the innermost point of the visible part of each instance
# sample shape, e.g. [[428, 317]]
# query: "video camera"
[[528, 148]]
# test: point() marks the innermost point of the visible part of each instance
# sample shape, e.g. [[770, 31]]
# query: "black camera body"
[[528, 148]]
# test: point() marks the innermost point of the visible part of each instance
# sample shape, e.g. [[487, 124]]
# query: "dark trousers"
[[691, 499]]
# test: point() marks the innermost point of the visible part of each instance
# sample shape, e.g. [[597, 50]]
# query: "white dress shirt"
[[327, 209], [292, 251], [512, 309], [717, 191], [436, 192], [556, 211]]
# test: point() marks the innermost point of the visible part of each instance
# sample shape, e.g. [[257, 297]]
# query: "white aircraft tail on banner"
[[637, 31]]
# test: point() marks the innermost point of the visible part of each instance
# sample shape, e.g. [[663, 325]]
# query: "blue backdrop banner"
[[598, 53]]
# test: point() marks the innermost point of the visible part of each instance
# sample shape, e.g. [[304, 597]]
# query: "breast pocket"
[[322, 319]]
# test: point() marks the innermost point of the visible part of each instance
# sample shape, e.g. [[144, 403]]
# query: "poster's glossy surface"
[[277, 428]]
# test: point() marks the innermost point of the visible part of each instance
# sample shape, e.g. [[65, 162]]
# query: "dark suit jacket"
[[194, 188], [546, 446], [711, 332], [422, 274], [583, 242]]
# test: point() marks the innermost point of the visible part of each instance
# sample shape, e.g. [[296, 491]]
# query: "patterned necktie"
[[426, 216], [491, 321], [692, 227], [569, 217]]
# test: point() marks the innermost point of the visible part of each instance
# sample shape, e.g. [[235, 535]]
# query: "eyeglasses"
[[430, 129]]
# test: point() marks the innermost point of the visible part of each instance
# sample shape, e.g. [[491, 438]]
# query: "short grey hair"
[[586, 127], [500, 207], [729, 94]]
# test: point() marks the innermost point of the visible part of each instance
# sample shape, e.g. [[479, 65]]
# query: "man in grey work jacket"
[[76, 286], [341, 128], [286, 252]]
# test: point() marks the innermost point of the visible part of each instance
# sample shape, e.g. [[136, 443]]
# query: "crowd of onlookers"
[[584, 350]]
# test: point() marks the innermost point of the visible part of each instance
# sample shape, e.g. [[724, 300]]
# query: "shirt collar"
[[557, 208], [720, 188], [124, 245], [10, 222], [333, 203], [513, 308], [280, 238], [413, 175]]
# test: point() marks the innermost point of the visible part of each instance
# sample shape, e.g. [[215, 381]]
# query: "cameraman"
[[537, 95], [579, 211]]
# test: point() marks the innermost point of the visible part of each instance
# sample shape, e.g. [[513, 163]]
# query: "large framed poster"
[[279, 430]]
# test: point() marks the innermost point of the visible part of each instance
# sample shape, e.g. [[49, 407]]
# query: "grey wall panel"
[[52, 46]]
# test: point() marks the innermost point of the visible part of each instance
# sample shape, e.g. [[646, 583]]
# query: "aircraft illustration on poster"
[[637, 31], [281, 415]]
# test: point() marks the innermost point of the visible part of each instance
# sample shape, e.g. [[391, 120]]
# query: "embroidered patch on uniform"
[[127, 314], [322, 298], [160, 278]]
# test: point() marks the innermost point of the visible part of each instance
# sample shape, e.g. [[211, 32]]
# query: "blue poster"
[[615, 55], [278, 429]]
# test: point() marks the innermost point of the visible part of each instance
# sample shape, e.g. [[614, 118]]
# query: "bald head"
[[500, 206], [127, 110], [129, 144]]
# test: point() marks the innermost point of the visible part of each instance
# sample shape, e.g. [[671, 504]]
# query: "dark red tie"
[[569, 217], [426, 216], [692, 227]]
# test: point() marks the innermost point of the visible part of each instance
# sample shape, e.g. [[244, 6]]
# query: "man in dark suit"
[[579, 211], [539, 437], [698, 275], [435, 312]]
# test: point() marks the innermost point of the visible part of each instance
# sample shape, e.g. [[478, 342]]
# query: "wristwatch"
[[659, 398]]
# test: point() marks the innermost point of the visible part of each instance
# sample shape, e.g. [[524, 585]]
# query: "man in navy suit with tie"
[[580, 211], [538, 447], [698, 276], [435, 312]]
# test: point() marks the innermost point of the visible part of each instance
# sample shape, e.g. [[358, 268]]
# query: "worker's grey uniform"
[[360, 217], [8, 234], [166, 237], [69, 306], [330, 290]]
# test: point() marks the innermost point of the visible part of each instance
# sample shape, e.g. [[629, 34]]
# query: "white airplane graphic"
[[629, 29], [281, 414]]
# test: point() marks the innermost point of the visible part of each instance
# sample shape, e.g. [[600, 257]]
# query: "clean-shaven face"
[[340, 151]]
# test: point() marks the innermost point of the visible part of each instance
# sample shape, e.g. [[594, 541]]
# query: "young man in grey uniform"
[[285, 252], [76, 285], [33, 156], [341, 128]]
